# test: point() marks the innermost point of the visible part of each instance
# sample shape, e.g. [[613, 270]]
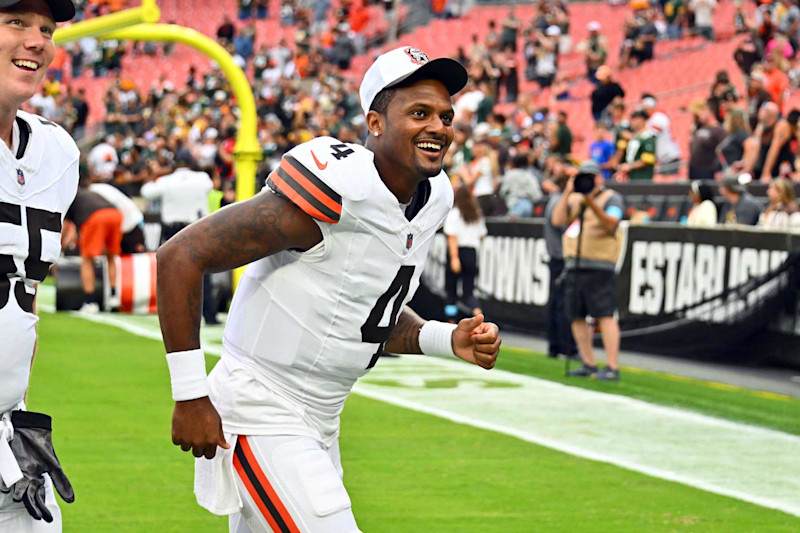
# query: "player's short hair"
[[382, 100]]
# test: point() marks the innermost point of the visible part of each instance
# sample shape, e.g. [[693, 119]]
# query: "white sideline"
[[745, 462]]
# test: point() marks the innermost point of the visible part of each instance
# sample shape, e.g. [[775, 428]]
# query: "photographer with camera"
[[591, 249]]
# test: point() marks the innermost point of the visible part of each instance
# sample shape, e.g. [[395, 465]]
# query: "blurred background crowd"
[[658, 91]]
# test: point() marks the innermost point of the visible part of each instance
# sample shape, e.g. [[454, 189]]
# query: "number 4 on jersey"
[[340, 151], [372, 331]]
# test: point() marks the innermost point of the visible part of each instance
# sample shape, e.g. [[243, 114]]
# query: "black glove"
[[32, 447]]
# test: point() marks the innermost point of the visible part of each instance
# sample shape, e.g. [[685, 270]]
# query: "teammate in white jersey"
[[38, 181], [337, 243]]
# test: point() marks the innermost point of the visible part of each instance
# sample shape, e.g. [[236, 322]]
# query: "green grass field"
[[108, 392]]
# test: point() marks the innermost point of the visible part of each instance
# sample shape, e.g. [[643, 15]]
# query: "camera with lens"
[[584, 183]]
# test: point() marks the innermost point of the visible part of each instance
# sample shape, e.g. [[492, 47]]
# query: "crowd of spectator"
[[508, 161]]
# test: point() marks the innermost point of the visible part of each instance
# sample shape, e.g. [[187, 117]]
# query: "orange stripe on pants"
[[264, 484]]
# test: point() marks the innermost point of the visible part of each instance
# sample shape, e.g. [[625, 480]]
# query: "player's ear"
[[376, 123]]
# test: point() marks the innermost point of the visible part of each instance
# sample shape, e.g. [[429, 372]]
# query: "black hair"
[[519, 160], [84, 177], [793, 116], [382, 100], [499, 117], [704, 190]]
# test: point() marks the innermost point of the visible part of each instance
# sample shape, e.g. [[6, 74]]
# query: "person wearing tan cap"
[[607, 89], [337, 242], [38, 182], [594, 48]]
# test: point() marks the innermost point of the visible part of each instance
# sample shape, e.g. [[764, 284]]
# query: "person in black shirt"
[[731, 150], [82, 113], [226, 31], [511, 26], [723, 95], [773, 138], [707, 136], [645, 40], [605, 92], [749, 52]]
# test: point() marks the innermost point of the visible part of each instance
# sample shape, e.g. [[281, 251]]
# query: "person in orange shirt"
[[359, 16], [437, 8], [116, 5], [775, 81], [56, 70]]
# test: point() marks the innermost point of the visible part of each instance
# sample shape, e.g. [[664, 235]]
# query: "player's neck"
[[7, 117], [399, 185]]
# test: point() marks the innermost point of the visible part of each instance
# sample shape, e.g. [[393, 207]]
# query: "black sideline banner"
[[711, 293]]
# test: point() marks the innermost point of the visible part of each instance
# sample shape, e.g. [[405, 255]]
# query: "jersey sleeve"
[[307, 189], [648, 150]]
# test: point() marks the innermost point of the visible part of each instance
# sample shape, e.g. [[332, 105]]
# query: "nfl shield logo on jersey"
[[20, 177], [409, 241]]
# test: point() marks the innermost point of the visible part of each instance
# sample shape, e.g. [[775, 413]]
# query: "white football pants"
[[290, 484]]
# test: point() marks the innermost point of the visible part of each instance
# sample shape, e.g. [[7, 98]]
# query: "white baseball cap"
[[400, 64], [593, 26]]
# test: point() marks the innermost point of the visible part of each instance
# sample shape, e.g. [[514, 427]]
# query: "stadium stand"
[[680, 74]]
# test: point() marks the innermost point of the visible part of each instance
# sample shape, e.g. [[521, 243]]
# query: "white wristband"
[[187, 371], [436, 338]]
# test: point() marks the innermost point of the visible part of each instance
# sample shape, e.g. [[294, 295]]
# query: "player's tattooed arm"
[[233, 236], [404, 338]]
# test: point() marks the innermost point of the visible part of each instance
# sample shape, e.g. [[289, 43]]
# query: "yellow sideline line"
[[680, 379]]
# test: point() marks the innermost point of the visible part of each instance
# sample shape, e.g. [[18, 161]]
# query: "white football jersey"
[[35, 191], [304, 326]]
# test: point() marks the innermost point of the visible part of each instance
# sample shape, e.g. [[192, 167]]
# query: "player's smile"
[[27, 65], [433, 149], [26, 48]]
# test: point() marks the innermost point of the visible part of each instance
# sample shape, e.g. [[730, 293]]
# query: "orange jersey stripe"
[[265, 484], [311, 188], [298, 200]]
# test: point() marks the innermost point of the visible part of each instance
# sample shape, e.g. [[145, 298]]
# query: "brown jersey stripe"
[[276, 182], [306, 194], [321, 203], [310, 181], [293, 175], [265, 496]]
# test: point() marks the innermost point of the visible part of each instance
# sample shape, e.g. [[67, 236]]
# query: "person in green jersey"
[[640, 154]]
